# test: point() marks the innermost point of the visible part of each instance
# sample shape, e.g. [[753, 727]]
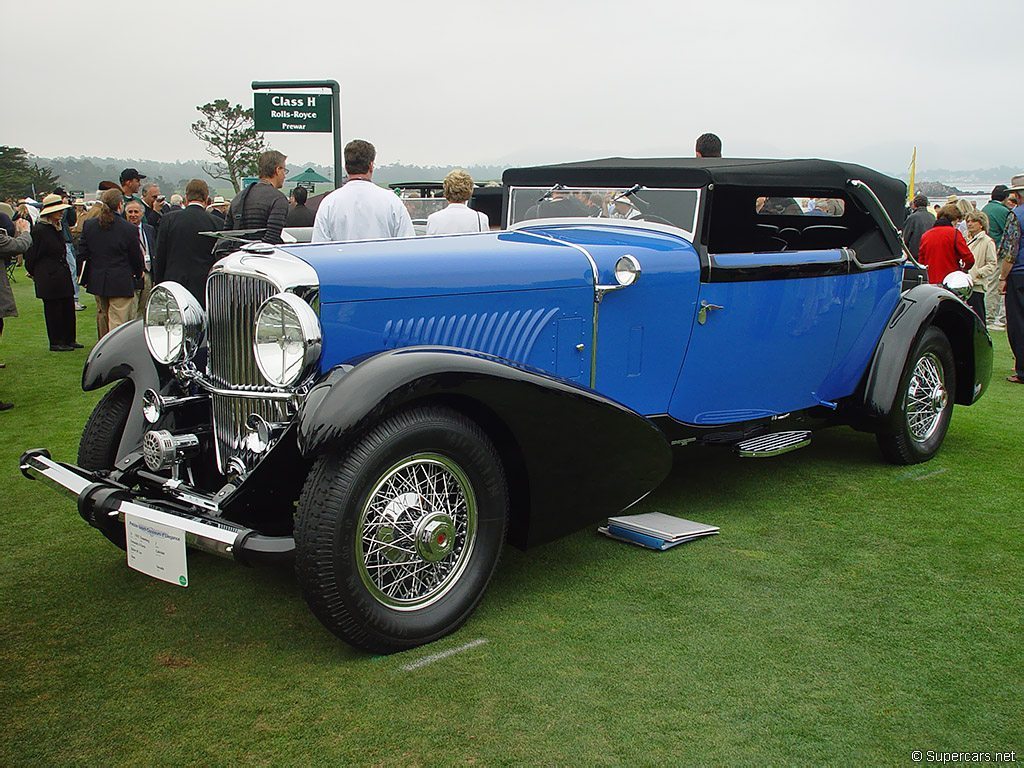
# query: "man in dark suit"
[[182, 254], [151, 198], [135, 212]]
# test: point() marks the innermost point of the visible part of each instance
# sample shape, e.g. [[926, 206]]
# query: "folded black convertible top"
[[689, 172]]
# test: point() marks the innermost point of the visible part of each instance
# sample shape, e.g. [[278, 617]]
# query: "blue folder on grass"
[[654, 530]]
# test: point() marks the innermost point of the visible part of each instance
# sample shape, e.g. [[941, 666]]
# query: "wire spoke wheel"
[[397, 537], [923, 406], [926, 397], [416, 531]]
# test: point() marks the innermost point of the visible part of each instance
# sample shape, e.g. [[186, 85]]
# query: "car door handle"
[[705, 307]]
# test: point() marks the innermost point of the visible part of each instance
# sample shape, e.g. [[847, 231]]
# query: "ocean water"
[[970, 186]]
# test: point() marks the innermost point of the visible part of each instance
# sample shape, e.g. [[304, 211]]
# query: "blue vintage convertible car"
[[390, 413]]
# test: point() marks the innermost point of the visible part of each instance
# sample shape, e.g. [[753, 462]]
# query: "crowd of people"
[[985, 244], [131, 238], [115, 248]]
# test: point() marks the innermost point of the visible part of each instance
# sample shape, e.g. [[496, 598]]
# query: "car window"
[[772, 205], [673, 207], [421, 207]]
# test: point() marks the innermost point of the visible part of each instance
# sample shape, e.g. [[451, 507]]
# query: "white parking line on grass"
[[442, 655]]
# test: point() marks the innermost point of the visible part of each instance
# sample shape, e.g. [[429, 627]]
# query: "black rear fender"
[[919, 308], [572, 457]]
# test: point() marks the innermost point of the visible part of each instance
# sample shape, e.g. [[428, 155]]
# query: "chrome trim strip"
[[559, 241], [287, 272], [601, 221], [256, 393], [672, 229], [907, 255], [597, 294]]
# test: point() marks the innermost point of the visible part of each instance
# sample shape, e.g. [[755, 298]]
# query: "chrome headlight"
[[288, 339], [174, 323]]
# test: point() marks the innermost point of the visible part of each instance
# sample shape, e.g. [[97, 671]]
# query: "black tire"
[[924, 402], [401, 587], [97, 449]]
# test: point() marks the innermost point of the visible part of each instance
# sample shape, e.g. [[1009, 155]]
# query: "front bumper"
[[103, 503]]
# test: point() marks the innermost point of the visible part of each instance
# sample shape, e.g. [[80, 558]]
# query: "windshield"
[[675, 207], [421, 207]]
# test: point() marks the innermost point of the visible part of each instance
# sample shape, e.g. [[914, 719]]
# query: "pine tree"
[[20, 178], [230, 136]]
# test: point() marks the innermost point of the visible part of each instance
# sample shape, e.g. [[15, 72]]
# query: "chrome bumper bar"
[[103, 504]]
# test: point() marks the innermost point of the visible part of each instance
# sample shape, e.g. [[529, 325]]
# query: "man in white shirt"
[[457, 217], [361, 210]]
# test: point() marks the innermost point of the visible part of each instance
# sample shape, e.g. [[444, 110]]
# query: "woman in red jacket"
[[943, 249]]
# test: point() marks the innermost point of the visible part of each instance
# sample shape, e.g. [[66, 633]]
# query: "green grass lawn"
[[849, 613]]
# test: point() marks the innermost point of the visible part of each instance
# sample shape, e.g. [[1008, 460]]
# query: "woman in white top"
[[986, 267], [457, 217]]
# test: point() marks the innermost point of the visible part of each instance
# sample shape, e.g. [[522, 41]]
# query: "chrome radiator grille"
[[229, 415], [231, 305]]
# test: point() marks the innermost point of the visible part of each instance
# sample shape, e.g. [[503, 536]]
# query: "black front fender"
[[122, 354], [919, 308], [582, 456]]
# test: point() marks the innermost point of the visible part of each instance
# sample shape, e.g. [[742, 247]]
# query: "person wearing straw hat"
[[218, 208], [7, 219], [47, 264], [1011, 282]]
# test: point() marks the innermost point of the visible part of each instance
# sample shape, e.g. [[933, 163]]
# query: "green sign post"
[[292, 112], [306, 113]]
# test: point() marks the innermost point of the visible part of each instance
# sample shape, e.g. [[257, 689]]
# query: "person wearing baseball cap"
[[131, 180]]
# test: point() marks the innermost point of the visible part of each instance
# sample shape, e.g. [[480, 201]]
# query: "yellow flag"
[[913, 171]]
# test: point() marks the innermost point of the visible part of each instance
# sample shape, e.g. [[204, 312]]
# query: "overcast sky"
[[460, 83]]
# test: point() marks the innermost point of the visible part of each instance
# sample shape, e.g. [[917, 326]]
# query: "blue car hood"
[[439, 266]]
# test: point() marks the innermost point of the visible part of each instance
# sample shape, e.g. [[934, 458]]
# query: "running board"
[[773, 444]]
